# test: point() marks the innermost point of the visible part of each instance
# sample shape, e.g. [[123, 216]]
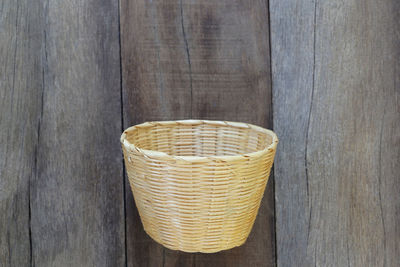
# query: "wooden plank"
[[77, 194], [228, 46], [292, 57], [20, 76], [210, 60], [350, 152], [156, 86]]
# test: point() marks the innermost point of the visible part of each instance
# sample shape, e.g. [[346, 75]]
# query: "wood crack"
[[9, 247], [308, 125], [380, 182], [15, 59], [188, 59], [158, 46], [44, 66], [122, 129]]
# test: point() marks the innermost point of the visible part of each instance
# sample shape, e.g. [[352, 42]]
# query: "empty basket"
[[198, 184]]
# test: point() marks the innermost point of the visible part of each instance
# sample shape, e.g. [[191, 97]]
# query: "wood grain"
[[206, 60], [228, 46], [20, 75], [337, 182], [77, 193], [292, 57], [156, 86], [335, 67]]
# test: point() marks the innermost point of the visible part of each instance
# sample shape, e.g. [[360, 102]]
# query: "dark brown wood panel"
[[207, 60], [156, 86], [20, 101], [77, 212], [228, 47], [337, 195]]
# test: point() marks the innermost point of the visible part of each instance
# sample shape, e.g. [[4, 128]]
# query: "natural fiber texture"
[[198, 184]]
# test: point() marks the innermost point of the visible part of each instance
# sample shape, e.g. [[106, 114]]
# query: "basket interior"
[[199, 140]]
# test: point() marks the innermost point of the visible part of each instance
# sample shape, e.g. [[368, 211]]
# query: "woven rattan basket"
[[198, 184]]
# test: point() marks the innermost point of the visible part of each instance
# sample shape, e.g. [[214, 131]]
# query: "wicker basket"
[[198, 184]]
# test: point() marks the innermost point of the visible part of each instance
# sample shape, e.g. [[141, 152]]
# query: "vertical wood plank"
[[228, 46], [292, 56], [77, 194], [20, 83], [206, 60], [156, 86], [351, 150]]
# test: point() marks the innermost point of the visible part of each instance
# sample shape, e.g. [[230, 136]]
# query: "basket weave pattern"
[[198, 184]]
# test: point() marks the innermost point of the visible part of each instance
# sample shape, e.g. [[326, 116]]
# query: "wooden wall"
[[197, 60], [325, 75], [61, 187], [336, 99]]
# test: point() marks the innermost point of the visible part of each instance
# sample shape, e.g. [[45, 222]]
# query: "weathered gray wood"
[[337, 169], [20, 75], [156, 86], [292, 58], [77, 212], [204, 59]]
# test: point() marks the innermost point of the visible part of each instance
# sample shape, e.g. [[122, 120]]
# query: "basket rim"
[[165, 156]]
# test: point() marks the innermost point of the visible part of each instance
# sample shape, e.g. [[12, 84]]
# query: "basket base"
[[200, 250]]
